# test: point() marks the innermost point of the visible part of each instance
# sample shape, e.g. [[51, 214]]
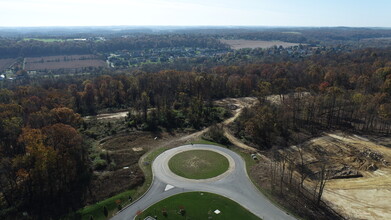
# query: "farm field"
[[5, 63], [47, 40], [241, 44], [63, 62]]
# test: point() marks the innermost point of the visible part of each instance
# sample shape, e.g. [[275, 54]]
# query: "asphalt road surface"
[[233, 184]]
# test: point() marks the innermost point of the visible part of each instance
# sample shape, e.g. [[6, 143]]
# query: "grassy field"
[[198, 164], [198, 205]]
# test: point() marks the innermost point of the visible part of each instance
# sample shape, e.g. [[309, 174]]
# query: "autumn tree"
[[88, 97]]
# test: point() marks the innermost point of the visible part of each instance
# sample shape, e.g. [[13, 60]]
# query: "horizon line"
[[182, 26]]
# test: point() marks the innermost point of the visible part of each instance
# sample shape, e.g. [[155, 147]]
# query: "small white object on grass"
[[155, 138], [125, 168], [217, 212]]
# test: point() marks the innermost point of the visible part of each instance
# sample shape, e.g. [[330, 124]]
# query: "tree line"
[[13, 48]]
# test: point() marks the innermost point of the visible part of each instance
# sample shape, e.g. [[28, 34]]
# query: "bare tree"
[[324, 175], [302, 167], [291, 166], [282, 173]]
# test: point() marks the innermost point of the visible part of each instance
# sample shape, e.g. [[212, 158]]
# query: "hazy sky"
[[360, 13]]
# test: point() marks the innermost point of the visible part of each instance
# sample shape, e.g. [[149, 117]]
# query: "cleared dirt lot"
[[368, 197], [240, 44], [360, 168]]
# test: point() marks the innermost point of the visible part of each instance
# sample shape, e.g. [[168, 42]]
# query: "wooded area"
[[13, 48]]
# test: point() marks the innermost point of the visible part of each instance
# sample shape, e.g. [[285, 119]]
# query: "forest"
[[44, 148]]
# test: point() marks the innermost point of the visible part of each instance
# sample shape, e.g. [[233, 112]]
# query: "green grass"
[[198, 205], [198, 164], [246, 156]]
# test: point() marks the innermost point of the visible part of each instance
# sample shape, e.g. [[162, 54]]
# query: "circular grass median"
[[198, 164], [197, 205]]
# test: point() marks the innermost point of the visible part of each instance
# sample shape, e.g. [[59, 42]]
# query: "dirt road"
[[240, 103]]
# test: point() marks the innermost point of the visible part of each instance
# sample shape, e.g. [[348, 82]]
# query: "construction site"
[[358, 172]]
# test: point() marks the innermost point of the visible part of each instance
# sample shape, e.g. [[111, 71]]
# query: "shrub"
[[164, 212], [99, 164], [105, 211]]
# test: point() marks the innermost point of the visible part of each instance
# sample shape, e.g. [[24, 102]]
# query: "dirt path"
[[116, 115], [236, 141], [240, 104]]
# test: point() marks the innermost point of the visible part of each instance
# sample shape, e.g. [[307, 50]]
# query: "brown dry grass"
[[241, 44]]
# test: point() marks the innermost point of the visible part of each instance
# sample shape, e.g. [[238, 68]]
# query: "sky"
[[354, 13]]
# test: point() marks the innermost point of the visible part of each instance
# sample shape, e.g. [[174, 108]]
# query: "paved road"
[[234, 184]]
